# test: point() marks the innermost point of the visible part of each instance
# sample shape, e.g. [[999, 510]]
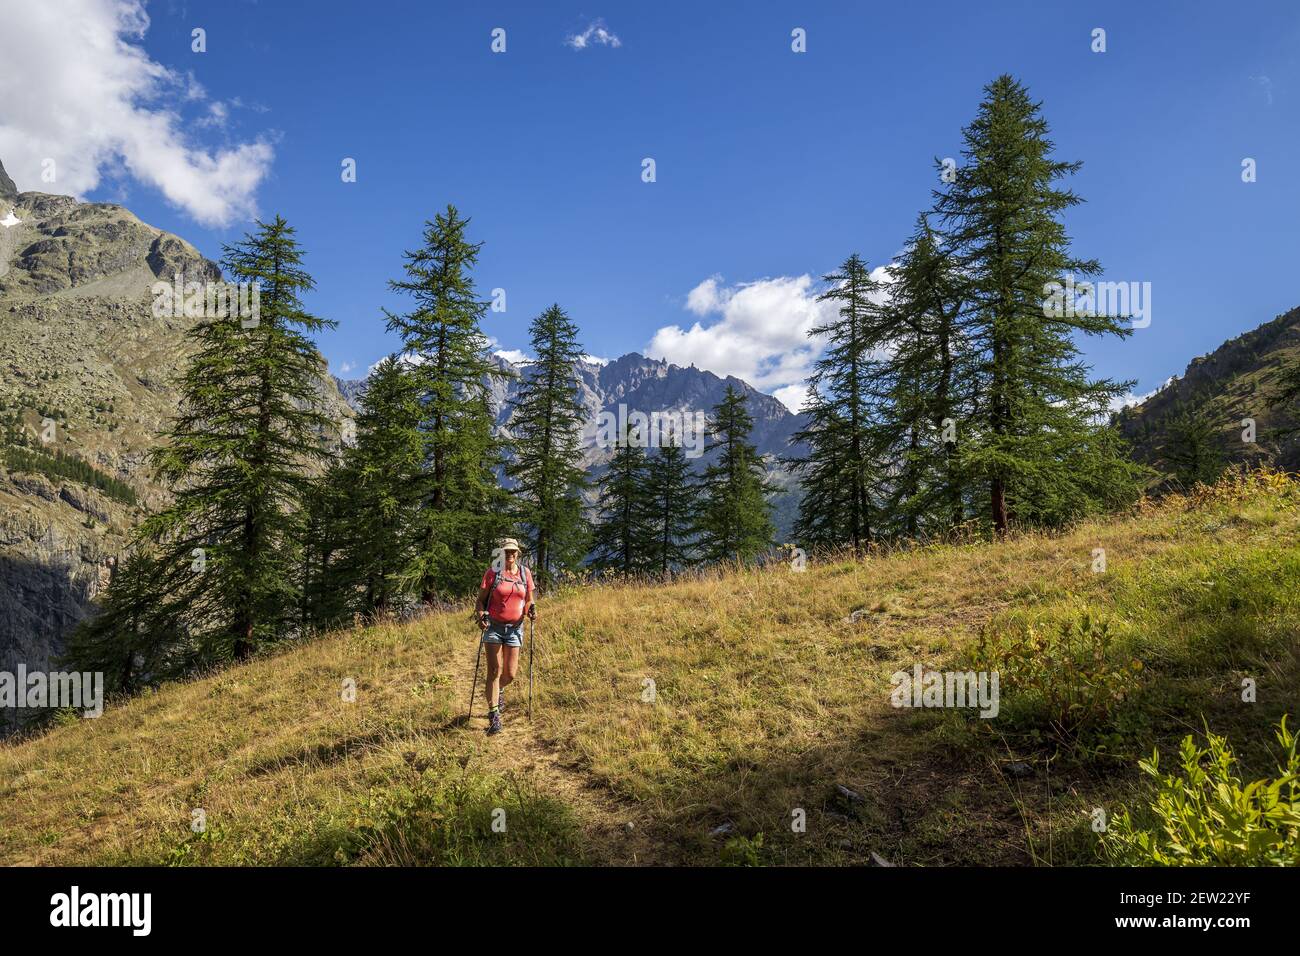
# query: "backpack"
[[525, 575]]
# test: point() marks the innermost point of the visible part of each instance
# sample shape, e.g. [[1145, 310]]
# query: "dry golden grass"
[[768, 692]]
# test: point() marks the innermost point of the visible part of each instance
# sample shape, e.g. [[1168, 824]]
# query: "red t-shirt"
[[511, 594]]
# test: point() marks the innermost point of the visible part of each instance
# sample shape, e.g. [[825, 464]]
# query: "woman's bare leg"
[[509, 666], [493, 673]]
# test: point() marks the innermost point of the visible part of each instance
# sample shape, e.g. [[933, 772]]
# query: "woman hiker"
[[503, 598]]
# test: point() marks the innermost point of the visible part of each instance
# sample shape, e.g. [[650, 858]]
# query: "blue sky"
[[772, 166]]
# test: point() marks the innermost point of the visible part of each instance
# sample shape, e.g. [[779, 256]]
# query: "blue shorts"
[[509, 635]]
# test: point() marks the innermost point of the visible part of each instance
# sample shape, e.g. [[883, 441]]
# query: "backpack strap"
[[492, 583], [524, 573], [526, 576]]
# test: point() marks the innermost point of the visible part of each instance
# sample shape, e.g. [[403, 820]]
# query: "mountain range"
[[88, 371], [637, 383]]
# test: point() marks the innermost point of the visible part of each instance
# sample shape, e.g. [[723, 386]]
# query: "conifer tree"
[[822, 523], [383, 474], [547, 432], [463, 510], [238, 458], [1038, 407], [735, 516], [670, 497], [842, 404], [622, 526], [926, 375], [325, 591], [1192, 451], [130, 640]]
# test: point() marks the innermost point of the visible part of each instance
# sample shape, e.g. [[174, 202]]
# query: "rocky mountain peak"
[[101, 249], [8, 191], [88, 370]]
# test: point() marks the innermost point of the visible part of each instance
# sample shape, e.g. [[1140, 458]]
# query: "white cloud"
[[409, 359], [792, 396], [762, 333], [513, 356], [1129, 399], [596, 33], [706, 297], [76, 87], [595, 360], [346, 367], [218, 115]]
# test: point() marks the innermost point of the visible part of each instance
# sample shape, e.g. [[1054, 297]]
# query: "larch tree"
[[735, 514], [845, 392], [464, 509], [240, 455], [547, 432], [622, 523], [671, 499], [1036, 435]]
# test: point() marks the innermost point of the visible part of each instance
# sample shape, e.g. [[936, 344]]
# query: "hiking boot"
[[494, 722]]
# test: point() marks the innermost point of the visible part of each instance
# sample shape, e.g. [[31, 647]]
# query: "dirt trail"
[[604, 818]]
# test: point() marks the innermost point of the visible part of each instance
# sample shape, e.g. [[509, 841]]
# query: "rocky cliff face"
[[8, 191], [86, 369]]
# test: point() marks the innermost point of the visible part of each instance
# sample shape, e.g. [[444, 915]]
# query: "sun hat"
[[510, 544]]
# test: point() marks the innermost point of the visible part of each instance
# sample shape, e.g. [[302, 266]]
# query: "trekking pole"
[[473, 689], [532, 640]]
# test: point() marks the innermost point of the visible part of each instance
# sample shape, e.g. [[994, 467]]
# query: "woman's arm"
[[481, 606], [530, 602]]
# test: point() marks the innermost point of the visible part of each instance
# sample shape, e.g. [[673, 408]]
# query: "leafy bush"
[[1057, 679], [743, 851], [1205, 817]]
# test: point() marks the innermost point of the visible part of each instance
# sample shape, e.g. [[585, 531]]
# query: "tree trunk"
[[999, 506]]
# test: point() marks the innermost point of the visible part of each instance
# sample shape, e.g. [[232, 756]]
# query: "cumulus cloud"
[[791, 396], [1120, 402], [758, 331], [596, 34], [513, 356], [77, 88]]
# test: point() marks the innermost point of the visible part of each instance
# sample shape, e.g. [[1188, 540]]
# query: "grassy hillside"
[[1238, 380], [771, 695]]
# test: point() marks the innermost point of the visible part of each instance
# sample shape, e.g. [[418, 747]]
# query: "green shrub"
[[743, 851], [1205, 817], [1058, 679]]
